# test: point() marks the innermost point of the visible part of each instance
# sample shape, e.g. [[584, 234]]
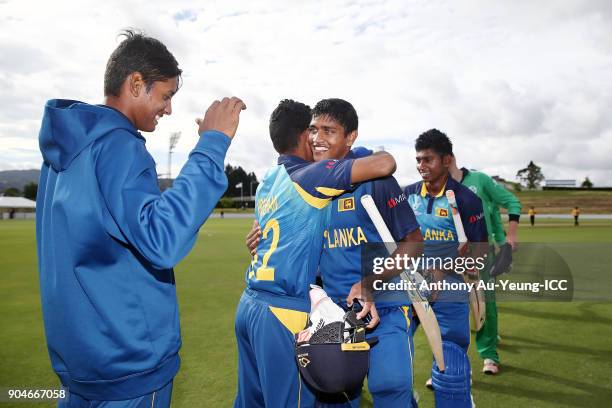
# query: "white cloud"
[[508, 81]]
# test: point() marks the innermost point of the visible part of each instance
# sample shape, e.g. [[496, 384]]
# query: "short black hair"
[[339, 110], [287, 122], [435, 140], [139, 53]]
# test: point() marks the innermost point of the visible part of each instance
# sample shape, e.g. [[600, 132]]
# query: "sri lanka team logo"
[[441, 212], [346, 204]]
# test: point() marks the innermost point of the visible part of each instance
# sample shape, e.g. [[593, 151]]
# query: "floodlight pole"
[[174, 138]]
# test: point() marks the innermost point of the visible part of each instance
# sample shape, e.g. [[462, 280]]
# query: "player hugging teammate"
[[333, 131], [293, 205], [420, 213]]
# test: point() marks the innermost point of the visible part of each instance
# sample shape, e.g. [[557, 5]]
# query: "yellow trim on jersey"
[[440, 194], [423, 190], [293, 320], [310, 199], [405, 310], [328, 191]]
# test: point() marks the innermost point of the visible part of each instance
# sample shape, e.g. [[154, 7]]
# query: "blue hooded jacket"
[[107, 241]]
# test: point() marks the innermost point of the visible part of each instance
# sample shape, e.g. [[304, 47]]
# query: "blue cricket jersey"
[[436, 220], [440, 241], [292, 208], [350, 228]]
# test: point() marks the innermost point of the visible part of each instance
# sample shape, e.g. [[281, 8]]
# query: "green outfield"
[[553, 354], [562, 201]]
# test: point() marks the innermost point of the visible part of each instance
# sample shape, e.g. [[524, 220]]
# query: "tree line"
[[532, 176], [238, 179], [29, 191]]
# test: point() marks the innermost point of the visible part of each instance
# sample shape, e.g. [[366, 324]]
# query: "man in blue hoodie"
[[108, 238]]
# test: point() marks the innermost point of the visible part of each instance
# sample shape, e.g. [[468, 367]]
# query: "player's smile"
[[155, 103], [328, 138], [429, 165], [319, 146]]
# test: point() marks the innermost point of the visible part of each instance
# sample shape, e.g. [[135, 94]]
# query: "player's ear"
[[135, 83], [304, 137], [447, 159], [350, 139]]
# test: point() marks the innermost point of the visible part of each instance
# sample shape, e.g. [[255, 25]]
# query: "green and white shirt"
[[492, 196]]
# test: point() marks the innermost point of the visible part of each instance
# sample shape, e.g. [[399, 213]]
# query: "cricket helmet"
[[336, 358]]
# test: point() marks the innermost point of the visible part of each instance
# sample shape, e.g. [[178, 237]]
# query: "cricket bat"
[[419, 303], [476, 296]]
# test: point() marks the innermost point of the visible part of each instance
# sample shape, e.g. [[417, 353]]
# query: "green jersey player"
[[492, 196]]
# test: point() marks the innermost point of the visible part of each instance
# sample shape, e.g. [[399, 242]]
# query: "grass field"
[[553, 354], [562, 201], [545, 202]]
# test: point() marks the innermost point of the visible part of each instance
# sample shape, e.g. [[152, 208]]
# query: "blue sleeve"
[[162, 227], [360, 152], [324, 179], [392, 203], [472, 216]]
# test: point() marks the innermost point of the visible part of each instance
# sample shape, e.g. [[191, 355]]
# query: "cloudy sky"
[[509, 82]]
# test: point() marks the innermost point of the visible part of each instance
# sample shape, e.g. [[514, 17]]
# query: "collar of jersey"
[[288, 158], [424, 191]]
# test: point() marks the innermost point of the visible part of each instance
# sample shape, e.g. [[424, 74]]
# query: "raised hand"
[[222, 116]]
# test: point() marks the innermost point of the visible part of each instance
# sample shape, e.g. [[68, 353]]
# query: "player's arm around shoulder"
[[329, 178], [380, 164]]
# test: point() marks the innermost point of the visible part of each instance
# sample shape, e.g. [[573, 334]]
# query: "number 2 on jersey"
[[265, 273]]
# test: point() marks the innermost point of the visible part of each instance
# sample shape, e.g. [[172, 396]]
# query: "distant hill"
[[18, 178]]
